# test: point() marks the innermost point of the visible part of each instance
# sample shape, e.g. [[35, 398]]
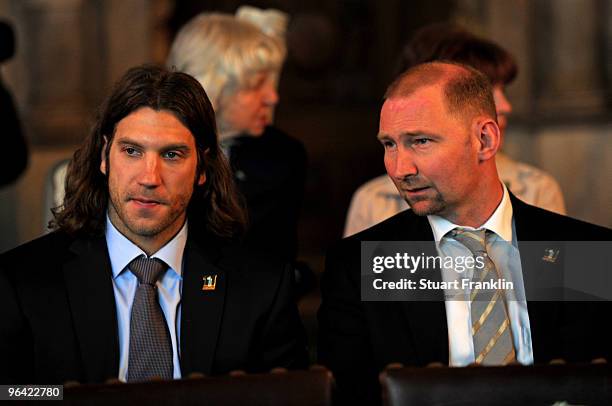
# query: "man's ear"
[[103, 165], [489, 138], [202, 178]]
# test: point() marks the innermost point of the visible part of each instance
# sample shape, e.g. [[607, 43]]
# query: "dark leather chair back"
[[290, 388], [511, 385]]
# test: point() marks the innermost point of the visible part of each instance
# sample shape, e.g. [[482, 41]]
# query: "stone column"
[[128, 27], [508, 25], [52, 50], [569, 71]]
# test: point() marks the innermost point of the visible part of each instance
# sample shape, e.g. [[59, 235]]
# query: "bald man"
[[440, 135]]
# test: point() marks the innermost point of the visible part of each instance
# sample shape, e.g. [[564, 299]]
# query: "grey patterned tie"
[[150, 344], [491, 328]]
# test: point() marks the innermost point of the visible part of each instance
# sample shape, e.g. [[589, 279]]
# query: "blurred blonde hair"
[[223, 52]]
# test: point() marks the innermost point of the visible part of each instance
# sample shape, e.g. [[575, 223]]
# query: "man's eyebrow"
[[127, 141], [169, 147], [180, 147], [382, 137]]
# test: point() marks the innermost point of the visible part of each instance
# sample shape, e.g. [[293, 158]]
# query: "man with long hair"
[[144, 275]]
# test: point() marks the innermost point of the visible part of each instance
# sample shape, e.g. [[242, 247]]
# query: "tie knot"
[[474, 240], [147, 270]]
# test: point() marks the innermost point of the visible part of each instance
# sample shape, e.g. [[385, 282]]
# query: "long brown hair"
[[215, 205]]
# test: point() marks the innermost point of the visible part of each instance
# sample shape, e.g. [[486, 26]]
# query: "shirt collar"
[[500, 221], [122, 251]]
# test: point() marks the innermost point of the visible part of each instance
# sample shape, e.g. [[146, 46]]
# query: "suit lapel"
[[202, 309], [525, 234], [543, 316], [427, 320], [88, 279], [525, 221]]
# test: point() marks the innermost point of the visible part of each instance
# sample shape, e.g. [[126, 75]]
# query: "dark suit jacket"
[[59, 316], [358, 339], [270, 172]]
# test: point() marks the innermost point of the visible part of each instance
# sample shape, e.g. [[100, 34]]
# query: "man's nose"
[[151, 172], [402, 164]]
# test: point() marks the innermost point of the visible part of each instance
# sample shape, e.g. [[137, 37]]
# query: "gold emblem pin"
[[550, 255], [209, 282]]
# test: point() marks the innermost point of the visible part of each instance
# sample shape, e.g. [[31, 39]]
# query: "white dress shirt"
[[503, 251], [121, 252]]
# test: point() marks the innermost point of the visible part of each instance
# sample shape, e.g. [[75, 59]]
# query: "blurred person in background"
[[378, 199], [238, 60]]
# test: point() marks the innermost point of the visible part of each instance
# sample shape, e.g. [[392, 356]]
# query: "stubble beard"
[[425, 205], [435, 205], [136, 227]]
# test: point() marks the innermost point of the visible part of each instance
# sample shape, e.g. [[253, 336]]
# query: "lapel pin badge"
[[550, 255], [209, 282]]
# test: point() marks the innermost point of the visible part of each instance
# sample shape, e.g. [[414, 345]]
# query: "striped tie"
[[491, 330], [150, 344]]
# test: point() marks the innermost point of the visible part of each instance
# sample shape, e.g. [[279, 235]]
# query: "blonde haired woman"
[[238, 59]]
